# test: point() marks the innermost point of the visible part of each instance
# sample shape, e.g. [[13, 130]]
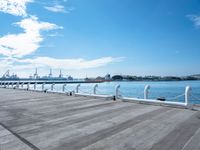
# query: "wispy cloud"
[[56, 8], [15, 48], [195, 19], [14, 7], [66, 64], [19, 45]]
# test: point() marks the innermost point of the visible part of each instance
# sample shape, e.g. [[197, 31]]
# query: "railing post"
[[95, 88], [77, 88], [146, 91], [188, 90], [117, 91], [28, 85], [22, 85], [12, 84], [35, 85], [17, 85], [43, 86], [63, 88], [52, 86], [7, 84]]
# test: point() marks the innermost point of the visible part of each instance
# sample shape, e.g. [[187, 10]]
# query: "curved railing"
[[118, 95]]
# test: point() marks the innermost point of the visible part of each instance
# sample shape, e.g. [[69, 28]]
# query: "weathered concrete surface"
[[45, 121]]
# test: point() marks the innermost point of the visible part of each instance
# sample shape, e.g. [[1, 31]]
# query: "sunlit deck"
[[45, 121]]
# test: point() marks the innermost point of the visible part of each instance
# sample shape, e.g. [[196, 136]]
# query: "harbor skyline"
[[93, 38], [36, 76]]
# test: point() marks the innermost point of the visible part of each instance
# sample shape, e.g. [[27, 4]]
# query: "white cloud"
[[14, 47], [19, 45], [195, 19], [64, 63], [14, 7], [77, 67], [56, 8]]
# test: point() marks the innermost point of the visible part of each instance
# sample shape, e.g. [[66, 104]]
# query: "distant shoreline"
[[107, 78], [154, 78], [151, 80]]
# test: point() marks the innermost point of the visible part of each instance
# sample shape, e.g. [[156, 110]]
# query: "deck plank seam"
[[29, 144]]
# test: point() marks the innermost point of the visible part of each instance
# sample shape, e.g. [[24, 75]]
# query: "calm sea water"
[[169, 90]]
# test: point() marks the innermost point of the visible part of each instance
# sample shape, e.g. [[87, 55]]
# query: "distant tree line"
[[152, 78]]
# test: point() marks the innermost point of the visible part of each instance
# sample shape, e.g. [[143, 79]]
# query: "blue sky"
[[95, 37]]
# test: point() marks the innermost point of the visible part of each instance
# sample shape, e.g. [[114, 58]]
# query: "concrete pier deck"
[[45, 121]]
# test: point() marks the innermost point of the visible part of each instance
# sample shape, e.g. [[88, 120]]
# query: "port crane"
[[6, 74]]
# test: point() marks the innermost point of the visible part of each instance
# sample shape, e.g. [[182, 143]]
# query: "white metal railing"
[[64, 87], [95, 89], [77, 88], [92, 92], [186, 94], [146, 91], [118, 94], [43, 84]]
